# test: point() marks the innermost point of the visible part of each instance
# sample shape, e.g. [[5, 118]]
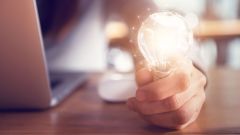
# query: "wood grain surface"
[[84, 113]]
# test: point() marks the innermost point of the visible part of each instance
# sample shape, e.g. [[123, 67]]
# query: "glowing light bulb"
[[164, 39]]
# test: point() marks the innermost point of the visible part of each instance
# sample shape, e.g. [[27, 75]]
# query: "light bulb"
[[164, 40]]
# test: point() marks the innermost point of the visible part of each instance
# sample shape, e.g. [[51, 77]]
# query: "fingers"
[[143, 77], [163, 88], [176, 119], [169, 104], [176, 83], [172, 102], [194, 117], [181, 117], [176, 101]]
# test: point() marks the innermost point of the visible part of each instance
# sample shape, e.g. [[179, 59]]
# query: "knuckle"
[[181, 116], [171, 103], [184, 81]]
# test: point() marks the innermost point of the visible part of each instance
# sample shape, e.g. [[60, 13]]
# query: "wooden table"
[[85, 113]]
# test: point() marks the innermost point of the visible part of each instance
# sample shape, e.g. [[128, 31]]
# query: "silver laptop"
[[25, 81]]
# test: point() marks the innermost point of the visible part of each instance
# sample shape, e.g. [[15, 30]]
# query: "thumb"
[[143, 76]]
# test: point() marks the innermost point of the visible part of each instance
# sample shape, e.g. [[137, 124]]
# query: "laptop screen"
[[73, 34], [56, 14]]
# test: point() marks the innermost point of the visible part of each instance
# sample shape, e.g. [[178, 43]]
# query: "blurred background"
[[105, 31]]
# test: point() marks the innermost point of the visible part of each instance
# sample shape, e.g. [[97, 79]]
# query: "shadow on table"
[[227, 130], [157, 130]]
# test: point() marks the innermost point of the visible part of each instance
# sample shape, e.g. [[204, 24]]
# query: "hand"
[[172, 102]]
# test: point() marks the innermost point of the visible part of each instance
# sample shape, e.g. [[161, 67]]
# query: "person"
[[172, 102]]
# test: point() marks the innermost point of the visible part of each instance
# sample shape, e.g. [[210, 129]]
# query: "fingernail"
[[141, 96]]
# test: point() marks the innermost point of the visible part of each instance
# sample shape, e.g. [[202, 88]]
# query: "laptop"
[[28, 80]]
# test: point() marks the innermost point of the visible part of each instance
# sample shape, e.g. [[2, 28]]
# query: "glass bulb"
[[164, 39]]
